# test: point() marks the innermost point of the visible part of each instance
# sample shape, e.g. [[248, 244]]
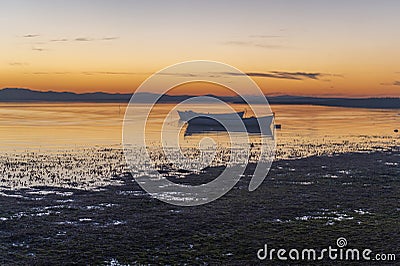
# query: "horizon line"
[[327, 96]]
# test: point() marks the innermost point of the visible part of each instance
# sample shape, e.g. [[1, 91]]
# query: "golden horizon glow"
[[114, 47]]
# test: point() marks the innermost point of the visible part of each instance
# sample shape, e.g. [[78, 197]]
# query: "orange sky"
[[314, 48]]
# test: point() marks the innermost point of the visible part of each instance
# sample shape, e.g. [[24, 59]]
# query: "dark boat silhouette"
[[200, 125]]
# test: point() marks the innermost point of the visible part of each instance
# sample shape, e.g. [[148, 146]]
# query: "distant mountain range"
[[27, 95]]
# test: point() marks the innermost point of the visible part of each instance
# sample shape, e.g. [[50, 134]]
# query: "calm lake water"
[[27, 126], [79, 144]]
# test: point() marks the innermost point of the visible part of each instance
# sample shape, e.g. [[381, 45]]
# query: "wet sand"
[[303, 203]]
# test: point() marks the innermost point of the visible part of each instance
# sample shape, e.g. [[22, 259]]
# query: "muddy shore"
[[304, 203]]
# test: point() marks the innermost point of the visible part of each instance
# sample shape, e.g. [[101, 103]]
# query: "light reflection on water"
[[79, 144], [26, 126]]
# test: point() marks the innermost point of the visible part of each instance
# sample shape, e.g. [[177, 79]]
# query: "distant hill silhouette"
[[380, 103], [27, 95]]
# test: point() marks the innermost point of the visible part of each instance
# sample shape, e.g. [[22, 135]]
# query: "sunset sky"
[[322, 48]]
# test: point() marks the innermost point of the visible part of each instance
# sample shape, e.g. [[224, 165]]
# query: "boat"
[[188, 115], [251, 125]]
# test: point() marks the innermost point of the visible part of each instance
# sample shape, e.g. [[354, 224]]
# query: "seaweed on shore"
[[305, 203]]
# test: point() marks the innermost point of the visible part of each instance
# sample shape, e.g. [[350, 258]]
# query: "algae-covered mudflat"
[[303, 203]]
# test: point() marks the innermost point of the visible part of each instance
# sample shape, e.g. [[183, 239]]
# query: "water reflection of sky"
[[79, 145], [29, 126]]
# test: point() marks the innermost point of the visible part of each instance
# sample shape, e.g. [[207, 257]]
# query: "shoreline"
[[112, 167]]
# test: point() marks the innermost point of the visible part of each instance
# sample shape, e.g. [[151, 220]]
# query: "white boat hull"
[[188, 115]]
